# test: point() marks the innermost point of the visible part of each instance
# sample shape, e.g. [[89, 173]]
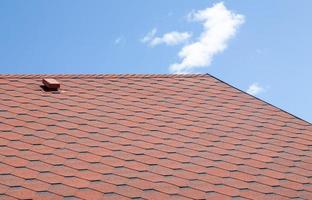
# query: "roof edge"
[[79, 76], [29, 76], [282, 110]]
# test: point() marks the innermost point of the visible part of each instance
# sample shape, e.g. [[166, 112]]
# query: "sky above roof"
[[262, 47]]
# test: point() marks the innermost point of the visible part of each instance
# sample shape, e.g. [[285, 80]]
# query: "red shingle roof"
[[147, 137]]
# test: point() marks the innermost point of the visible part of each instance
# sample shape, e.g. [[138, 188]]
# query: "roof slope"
[[147, 137]]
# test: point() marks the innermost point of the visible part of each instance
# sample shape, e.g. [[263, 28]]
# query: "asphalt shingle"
[[147, 137]]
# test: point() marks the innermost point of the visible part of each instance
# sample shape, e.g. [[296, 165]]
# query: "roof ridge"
[[28, 76], [261, 100]]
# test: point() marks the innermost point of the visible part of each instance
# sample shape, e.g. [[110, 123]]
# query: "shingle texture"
[[147, 137]]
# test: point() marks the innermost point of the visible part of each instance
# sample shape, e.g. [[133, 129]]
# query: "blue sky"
[[269, 51]]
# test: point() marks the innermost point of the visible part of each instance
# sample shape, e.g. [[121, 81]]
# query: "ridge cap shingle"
[[30, 76]]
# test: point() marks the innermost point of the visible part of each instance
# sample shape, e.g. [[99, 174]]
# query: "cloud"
[[149, 36], [220, 24], [255, 89], [171, 38], [118, 40]]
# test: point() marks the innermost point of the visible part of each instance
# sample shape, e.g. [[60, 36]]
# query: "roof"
[[147, 137]]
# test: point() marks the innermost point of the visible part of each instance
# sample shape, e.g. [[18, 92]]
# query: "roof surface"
[[147, 137]]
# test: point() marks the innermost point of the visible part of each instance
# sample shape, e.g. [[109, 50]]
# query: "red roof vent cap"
[[51, 83]]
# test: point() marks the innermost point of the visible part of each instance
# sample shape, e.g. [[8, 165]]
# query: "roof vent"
[[51, 84]]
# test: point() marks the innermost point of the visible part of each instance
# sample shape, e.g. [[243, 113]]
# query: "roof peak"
[[26, 76]]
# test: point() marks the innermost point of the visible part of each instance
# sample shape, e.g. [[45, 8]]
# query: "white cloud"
[[255, 89], [118, 40], [220, 24], [171, 38], [149, 36]]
